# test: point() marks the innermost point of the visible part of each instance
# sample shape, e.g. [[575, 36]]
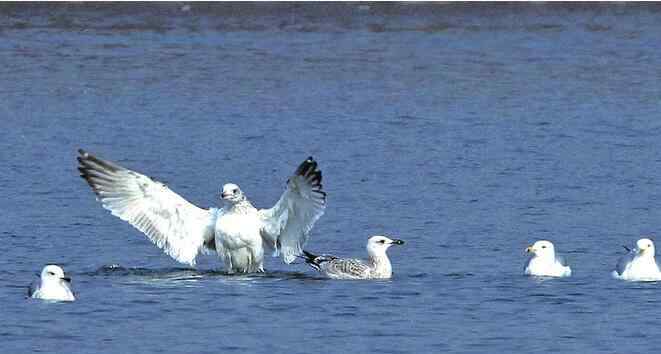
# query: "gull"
[[52, 285], [544, 261], [639, 263], [377, 265], [238, 232]]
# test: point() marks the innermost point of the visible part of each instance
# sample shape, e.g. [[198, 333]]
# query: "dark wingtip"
[[85, 158], [308, 168]]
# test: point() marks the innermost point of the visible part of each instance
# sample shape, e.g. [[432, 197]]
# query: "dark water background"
[[468, 130]]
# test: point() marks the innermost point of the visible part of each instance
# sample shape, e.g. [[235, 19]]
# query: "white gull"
[[544, 261], [238, 232], [639, 264], [52, 285]]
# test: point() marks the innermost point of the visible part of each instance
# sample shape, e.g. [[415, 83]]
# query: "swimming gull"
[[377, 265], [639, 264], [238, 232], [544, 261], [52, 285]]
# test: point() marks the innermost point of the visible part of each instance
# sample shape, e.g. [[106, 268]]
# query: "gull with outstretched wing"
[[238, 232]]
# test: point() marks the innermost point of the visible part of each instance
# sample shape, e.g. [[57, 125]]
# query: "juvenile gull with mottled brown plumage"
[[377, 265]]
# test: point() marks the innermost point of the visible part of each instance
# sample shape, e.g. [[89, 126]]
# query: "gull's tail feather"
[[315, 261], [311, 259]]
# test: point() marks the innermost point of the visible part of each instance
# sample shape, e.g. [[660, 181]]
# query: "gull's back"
[[346, 269]]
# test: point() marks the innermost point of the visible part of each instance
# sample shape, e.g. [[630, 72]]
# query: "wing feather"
[[562, 260], [286, 226], [178, 227], [347, 269], [624, 261]]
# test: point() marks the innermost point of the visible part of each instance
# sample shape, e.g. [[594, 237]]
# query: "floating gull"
[[544, 261], [639, 263], [52, 285], [238, 232], [377, 265]]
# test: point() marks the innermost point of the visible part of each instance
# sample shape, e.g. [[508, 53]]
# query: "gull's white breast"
[[237, 230], [541, 267], [56, 292], [641, 268]]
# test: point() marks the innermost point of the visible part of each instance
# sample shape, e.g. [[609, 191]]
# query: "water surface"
[[468, 131]]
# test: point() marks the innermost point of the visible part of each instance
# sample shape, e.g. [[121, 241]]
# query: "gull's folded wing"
[[562, 260], [178, 227], [32, 288], [287, 225], [624, 261], [347, 268]]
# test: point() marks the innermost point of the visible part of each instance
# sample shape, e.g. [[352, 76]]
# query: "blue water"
[[468, 131]]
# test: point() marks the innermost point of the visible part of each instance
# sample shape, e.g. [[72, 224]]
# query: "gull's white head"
[[543, 249], [377, 245], [53, 274], [232, 194], [645, 246]]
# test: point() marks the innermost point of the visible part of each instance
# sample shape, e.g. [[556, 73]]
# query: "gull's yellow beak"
[[529, 249]]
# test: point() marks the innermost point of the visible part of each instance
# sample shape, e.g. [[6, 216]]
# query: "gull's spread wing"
[[178, 227], [286, 226]]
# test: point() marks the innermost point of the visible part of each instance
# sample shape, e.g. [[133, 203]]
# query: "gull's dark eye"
[[236, 190], [51, 273], [543, 246], [382, 241]]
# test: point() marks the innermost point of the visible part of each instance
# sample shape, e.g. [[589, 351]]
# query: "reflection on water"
[[185, 276]]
